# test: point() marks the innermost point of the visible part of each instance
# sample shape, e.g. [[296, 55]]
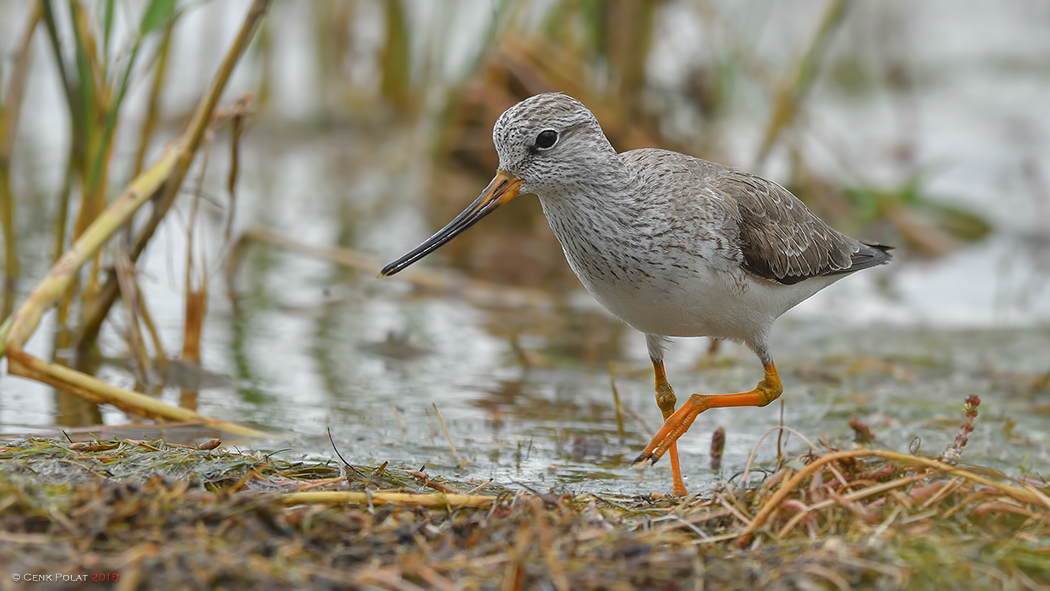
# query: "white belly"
[[728, 304], [670, 281]]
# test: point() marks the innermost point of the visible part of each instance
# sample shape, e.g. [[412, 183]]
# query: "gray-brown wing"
[[781, 239]]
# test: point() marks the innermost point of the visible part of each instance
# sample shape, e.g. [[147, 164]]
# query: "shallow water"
[[523, 381]]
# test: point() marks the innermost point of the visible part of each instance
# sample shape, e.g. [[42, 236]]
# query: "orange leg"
[[768, 390], [665, 399]]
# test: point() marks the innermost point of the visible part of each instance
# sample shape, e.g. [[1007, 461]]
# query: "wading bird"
[[673, 245]]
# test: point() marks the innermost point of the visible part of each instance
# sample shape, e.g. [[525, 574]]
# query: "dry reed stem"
[[196, 296], [160, 358], [441, 420], [427, 482], [437, 500], [616, 402], [479, 487], [5, 328], [63, 273], [10, 110], [25, 321], [319, 483], [944, 491], [927, 240], [237, 125], [740, 48], [163, 176], [430, 576], [791, 90], [132, 296], [547, 545], [514, 571], [474, 290], [1045, 500], [758, 444], [384, 577], [149, 122], [190, 141], [774, 502]]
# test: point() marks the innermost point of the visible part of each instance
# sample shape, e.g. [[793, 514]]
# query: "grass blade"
[[159, 13], [161, 180], [99, 309], [794, 88], [10, 109], [159, 74]]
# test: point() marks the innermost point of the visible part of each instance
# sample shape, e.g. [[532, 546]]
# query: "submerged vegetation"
[[166, 515]]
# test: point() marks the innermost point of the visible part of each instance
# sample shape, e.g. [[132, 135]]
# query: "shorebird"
[[673, 245]]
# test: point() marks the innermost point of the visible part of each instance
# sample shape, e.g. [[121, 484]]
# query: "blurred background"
[[363, 126]]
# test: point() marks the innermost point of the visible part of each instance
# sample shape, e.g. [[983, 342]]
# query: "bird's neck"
[[599, 206], [607, 186]]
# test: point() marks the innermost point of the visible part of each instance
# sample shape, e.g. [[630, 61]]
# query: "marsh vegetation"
[[195, 199]]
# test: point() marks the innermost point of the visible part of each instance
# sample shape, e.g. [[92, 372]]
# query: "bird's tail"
[[870, 255]]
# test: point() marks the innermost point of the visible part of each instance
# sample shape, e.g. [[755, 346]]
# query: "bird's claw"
[[644, 459]]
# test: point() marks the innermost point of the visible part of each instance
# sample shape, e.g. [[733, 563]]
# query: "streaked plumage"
[[673, 245]]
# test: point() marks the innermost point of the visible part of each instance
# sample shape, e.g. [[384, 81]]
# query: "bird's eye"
[[547, 138]]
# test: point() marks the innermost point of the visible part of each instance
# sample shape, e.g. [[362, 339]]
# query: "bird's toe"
[[644, 459]]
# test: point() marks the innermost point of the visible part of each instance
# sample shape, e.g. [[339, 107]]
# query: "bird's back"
[[759, 224], [689, 247]]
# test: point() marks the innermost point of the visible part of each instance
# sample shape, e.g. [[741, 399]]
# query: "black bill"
[[502, 189]]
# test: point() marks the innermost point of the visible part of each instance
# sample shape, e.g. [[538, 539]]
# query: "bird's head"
[[549, 142], [546, 144]]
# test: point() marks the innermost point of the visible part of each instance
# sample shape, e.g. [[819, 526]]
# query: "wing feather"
[[780, 238]]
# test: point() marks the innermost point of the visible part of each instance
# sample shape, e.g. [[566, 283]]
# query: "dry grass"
[[163, 515]]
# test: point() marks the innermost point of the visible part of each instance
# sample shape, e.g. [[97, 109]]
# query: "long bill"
[[502, 189]]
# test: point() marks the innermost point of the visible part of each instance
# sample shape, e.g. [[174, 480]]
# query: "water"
[[524, 389]]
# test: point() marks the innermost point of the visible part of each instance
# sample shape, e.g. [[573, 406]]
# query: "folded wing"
[[782, 240]]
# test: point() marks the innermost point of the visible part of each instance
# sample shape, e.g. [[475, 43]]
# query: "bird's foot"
[[674, 427], [678, 488], [768, 390]]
